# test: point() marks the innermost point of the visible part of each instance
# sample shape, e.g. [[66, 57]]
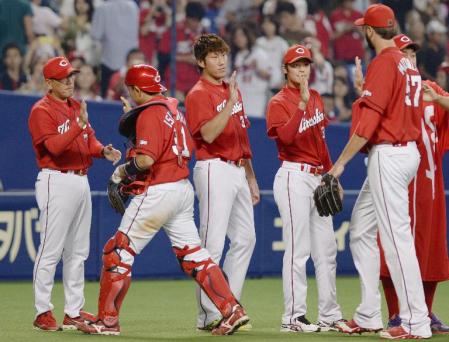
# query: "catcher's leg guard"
[[209, 277], [118, 258]]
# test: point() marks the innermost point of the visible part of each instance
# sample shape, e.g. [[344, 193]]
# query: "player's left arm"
[[252, 182], [366, 127], [437, 96]]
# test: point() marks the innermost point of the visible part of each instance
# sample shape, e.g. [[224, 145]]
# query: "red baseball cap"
[[403, 42], [145, 77], [377, 15], [58, 68], [297, 52]]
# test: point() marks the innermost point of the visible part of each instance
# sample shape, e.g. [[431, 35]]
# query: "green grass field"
[[165, 311]]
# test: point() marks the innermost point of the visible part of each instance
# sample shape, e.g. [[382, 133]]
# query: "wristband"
[[132, 169]]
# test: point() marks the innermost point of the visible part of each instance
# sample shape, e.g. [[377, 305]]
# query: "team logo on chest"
[[313, 121], [64, 127]]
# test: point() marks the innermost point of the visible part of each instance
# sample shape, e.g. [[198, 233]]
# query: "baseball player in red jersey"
[[386, 125], [64, 143], [157, 174], [426, 196], [216, 118], [296, 120]]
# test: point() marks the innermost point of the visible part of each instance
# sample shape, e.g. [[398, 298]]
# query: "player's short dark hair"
[[132, 52], [209, 43], [195, 10], [386, 32]]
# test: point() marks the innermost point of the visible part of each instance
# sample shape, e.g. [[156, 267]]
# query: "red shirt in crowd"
[[307, 143], [58, 141], [186, 73], [389, 109], [203, 103], [350, 44], [157, 134]]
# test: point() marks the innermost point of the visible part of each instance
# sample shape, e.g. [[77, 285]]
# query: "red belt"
[[239, 162], [314, 170], [81, 172]]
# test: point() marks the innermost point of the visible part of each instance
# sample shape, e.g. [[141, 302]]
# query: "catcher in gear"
[[157, 175], [328, 196], [296, 121]]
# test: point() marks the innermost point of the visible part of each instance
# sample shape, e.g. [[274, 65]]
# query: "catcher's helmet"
[[144, 77]]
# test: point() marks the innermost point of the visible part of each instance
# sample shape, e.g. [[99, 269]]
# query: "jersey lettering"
[[64, 127], [313, 121]]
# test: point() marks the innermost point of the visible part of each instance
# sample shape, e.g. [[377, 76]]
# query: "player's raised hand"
[[233, 88], [126, 105], [304, 89], [83, 118], [429, 93], [358, 76], [111, 154]]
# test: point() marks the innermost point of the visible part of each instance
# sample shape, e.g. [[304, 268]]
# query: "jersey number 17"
[[413, 90]]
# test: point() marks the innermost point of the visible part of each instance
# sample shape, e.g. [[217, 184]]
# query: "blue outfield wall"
[[19, 228]]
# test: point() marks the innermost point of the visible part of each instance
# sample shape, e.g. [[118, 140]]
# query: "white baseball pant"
[[383, 205], [305, 234], [65, 216], [225, 210]]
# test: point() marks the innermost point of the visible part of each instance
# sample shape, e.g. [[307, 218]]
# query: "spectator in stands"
[[13, 76], [16, 23], [415, 27], [115, 25], [253, 71], [301, 8], [67, 7], [77, 38], [442, 76], [291, 29], [117, 87], [323, 71], [347, 38], [329, 106], [186, 31], [155, 19], [42, 47], [36, 84], [318, 23], [86, 84], [45, 20], [342, 100], [275, 47], [433, 51]]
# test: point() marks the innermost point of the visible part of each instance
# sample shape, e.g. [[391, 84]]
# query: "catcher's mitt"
[[327, 196], [116, 198]]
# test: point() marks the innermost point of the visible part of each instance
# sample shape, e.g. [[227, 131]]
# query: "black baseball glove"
[[116, 197], [327, 196]]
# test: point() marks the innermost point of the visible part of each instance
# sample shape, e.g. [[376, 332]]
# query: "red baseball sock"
[[390, 296], [429, 292]]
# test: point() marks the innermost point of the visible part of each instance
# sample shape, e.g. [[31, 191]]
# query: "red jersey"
[[392, 93], [159, 135], [203, 103], [426, 194], [58, 141], [309, 145]]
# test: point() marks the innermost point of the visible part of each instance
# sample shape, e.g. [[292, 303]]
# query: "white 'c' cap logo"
[[63, 63], [157, 78], [405, 39], [300, 50]]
